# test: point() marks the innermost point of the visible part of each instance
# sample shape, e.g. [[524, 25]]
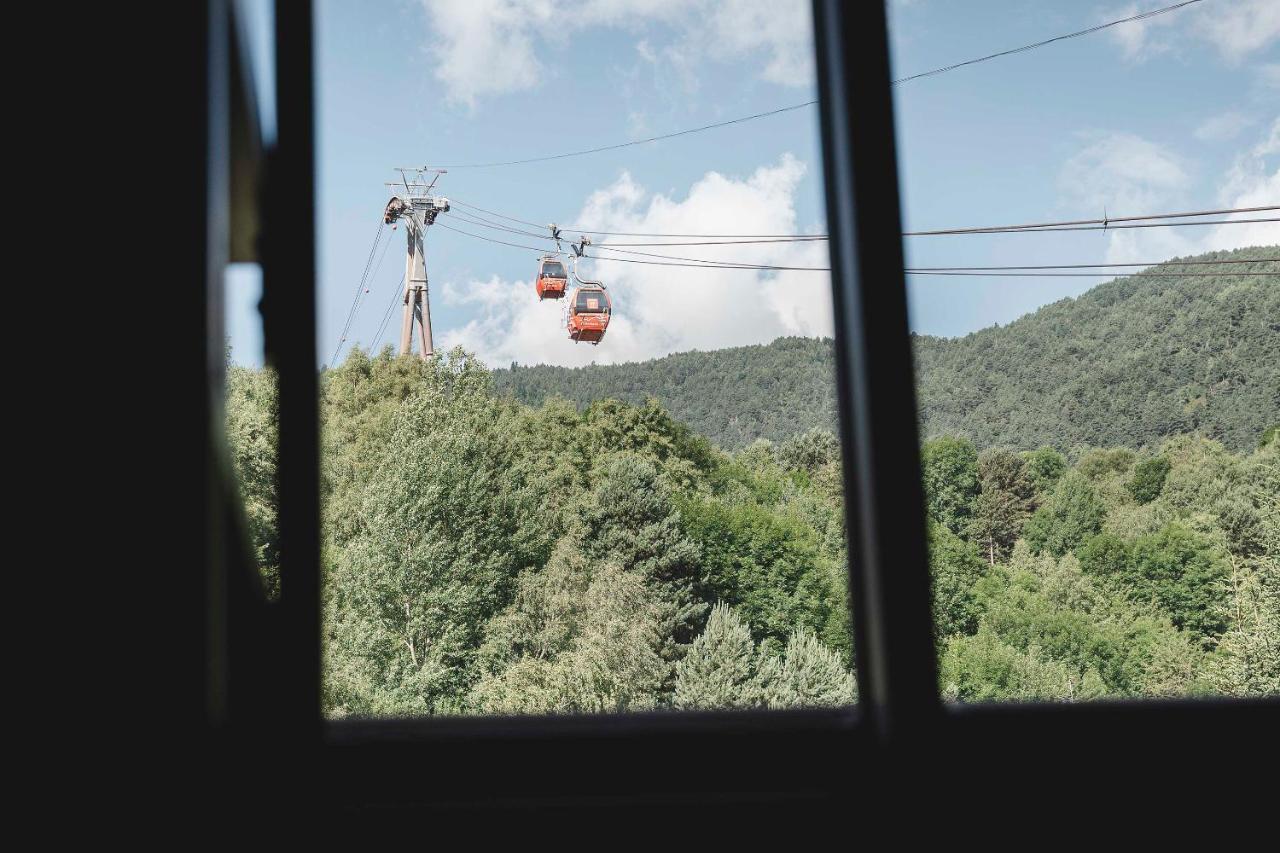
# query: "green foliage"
[[765, 563], [1269, 435], [579, 638], [1004, 501], [720, 669], [725, 669], [1126, 364], [1049, 626], [810, 451], [1148, 479], [1044, 466], [950, 470], [252, 438], [954, 568], [1098, 463], [1182, 572], [481, 556], [1072, 513]]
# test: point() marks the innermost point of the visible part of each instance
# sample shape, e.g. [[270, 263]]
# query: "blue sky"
[[1181, 112]]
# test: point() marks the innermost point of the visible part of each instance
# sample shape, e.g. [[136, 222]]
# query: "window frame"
[[263, 670]]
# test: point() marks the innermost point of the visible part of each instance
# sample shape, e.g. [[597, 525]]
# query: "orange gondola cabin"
[[589, 310], [552, 279]]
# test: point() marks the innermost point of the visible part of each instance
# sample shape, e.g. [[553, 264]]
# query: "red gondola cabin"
[[589, 310], [551, 280]]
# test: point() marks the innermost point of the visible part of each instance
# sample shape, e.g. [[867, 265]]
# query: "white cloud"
[[482, 48], [1224, 126], [1252, 181], [1126, 175], [1240, 28], [1140, 40], [1237, 30], [1123, 172], [659, 309]]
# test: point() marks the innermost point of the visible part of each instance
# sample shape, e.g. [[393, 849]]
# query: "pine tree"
[[809, 675], [719, 669]]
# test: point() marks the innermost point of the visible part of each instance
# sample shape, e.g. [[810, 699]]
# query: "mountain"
[[1127, 363]]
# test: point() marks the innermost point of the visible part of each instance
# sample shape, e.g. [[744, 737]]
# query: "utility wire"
[[355, 302], [932, 72], [1139, 17], [1010, 271], [1103, 224], [386, 315]]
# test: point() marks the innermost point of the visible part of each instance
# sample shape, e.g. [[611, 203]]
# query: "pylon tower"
[[413, 204]]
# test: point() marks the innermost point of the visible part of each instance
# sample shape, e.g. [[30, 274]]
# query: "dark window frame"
[[263, 659]]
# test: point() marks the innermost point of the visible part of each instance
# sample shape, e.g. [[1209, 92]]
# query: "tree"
[[1003, 504], [809, 675], [579, 638], [1072, 513], [1148, 479], [950, 468], [1044, 466], [1182, 572], [630, 520], [809, 451], [433, 556], [954, 568], [719, 670]]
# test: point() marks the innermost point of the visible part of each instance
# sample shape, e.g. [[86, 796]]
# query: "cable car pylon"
[[413, 204]]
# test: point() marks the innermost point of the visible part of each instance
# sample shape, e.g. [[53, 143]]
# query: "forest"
[[484, 556], [1130, 363]]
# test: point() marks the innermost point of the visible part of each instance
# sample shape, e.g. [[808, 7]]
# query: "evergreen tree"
[[809, 675], [719, 670]]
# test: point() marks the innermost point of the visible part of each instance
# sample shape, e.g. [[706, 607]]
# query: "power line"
[[1103, 224], [355, 302], [1007, 271], [932, 72], [1139, 17], [386, 315]]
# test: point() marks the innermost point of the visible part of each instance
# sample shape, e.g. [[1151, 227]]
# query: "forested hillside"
[[1130, 363], [483, 556]]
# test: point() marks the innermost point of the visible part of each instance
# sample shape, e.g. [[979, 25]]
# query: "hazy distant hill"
[[1126, 363]]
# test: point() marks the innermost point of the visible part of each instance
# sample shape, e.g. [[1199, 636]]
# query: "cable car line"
[[360, 288], [386, 315], [1010, 271], [741, 119], [360, 300], [1104, 224]]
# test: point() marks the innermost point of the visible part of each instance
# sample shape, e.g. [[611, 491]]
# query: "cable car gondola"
[[589, 309], [551, 279]]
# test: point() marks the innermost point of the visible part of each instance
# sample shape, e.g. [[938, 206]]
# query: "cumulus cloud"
[[488, 47], [660, 309], [1252, 181], [1237, 30], [1224, 126], [1124, 175]]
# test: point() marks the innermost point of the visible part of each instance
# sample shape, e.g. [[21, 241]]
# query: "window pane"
[[1099, 457], [633, 506]]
